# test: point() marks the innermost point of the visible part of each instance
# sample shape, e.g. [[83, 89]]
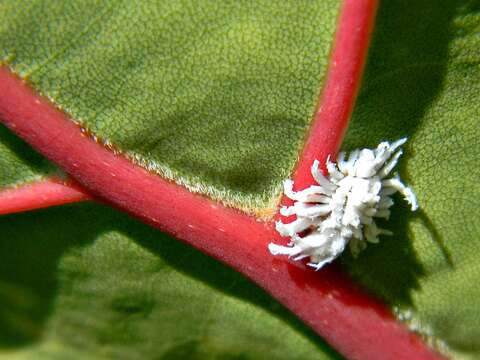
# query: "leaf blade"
[[425, 85]]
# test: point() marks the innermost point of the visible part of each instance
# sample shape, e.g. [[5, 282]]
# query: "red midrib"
[[354, 323]]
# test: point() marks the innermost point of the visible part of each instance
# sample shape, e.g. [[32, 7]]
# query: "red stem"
[[354, 323], [325, 136], [340, 91], [40, 194]]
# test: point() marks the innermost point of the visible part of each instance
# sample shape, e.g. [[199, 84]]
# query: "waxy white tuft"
[[342, 207]]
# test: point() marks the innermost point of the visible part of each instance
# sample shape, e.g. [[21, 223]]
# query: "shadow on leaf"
[[30, 249], [50, 259], [404, 75]]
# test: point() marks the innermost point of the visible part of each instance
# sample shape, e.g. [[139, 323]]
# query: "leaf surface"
[[19, 164], [423, 81], [224, 111], [85, 281], [215, 95]]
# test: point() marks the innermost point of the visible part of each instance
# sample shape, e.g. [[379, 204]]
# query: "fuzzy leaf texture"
[[197, 91], [218, 96]]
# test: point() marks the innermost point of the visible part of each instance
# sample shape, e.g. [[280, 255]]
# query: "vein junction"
[[342, 206]]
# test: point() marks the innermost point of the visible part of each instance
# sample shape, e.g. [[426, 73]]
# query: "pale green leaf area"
[[423, 81], [216, 95], [87, 282], [19, 164]]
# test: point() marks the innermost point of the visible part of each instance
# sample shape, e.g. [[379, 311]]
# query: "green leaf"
[[224, 110], [215, 95], [423, 81], [85, 281], [19, 164]]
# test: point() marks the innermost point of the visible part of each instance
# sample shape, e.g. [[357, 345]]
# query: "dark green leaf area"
[[423, 81], [85, 281], [216, 95], [19, 164]]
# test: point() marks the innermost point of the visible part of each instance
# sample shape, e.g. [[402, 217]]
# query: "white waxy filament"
[[341, 208]]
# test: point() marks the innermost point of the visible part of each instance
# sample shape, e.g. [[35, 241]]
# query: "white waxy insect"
[[342, 208]]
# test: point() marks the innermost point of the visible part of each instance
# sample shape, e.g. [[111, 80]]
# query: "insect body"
[[340, 209]]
